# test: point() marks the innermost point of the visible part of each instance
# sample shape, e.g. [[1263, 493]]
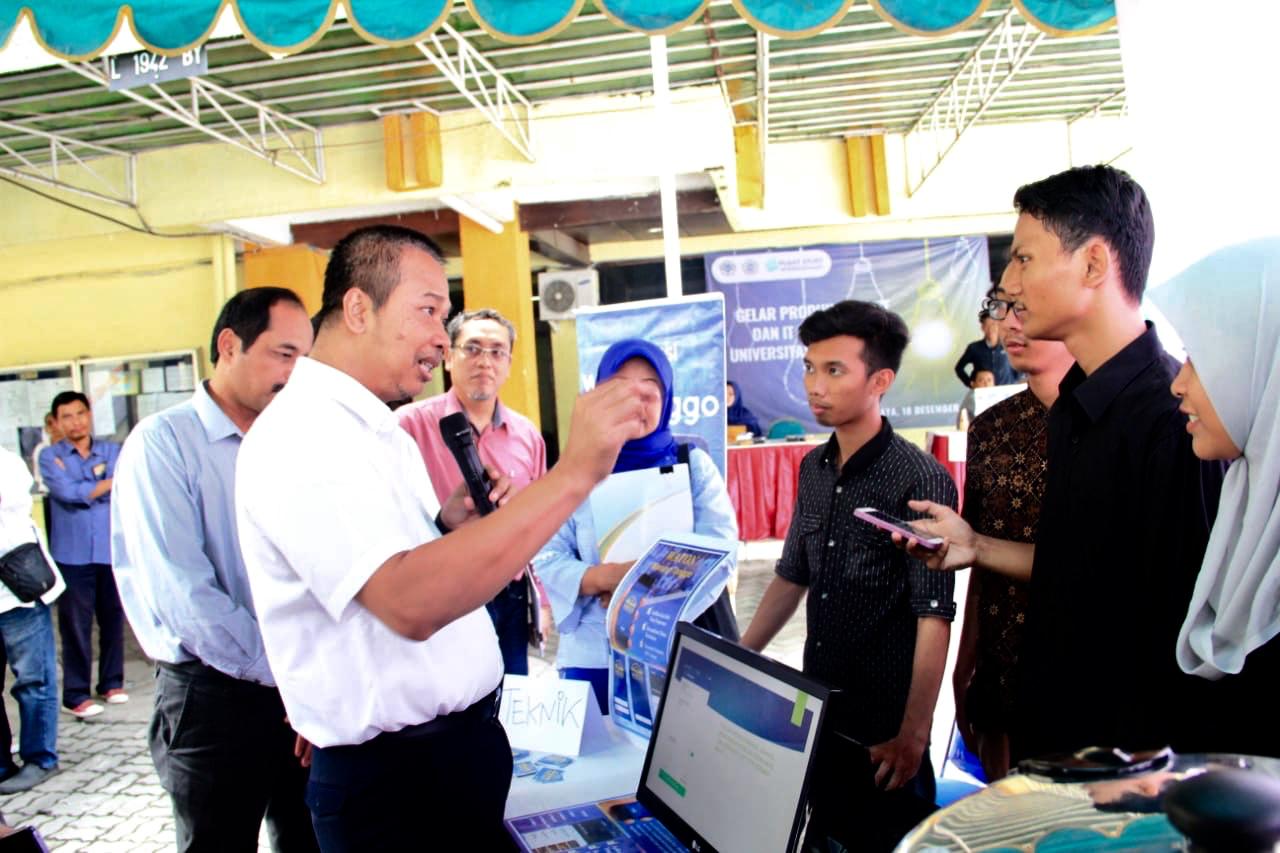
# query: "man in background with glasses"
[[1008, 465], [479, 363]]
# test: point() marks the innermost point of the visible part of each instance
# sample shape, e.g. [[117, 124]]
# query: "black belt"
[[484, 710]]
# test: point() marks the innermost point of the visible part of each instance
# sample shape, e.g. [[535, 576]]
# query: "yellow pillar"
[[496, 274], [746, 143], [868, 175], [564, 363], [299, 268]]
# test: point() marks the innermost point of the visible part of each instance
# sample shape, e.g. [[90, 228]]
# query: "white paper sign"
[[550, 715]]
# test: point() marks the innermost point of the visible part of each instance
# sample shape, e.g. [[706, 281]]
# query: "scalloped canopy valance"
[[80, 29]]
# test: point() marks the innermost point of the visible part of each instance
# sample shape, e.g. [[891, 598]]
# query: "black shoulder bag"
[[27, 572]]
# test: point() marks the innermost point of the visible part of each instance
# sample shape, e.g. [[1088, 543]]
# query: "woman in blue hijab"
[[738, 414], [577, 584], [641, 361]]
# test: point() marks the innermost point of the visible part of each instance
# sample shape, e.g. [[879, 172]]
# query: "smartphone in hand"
[[884, 521]]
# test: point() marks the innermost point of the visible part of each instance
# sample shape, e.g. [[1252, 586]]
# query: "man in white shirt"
[[374, 624], [26, 634]]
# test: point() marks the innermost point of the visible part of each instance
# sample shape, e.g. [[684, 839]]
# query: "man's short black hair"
[[1096, 201], [66, 398], [248, 314], [883, 334], [369, 259]]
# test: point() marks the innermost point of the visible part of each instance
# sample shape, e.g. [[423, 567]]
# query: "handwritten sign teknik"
[[549, 714]]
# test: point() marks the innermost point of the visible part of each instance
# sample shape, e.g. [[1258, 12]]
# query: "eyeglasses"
[[998, 309], [474, 351]]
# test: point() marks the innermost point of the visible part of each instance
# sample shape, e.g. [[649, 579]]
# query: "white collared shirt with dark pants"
[[408, 748]]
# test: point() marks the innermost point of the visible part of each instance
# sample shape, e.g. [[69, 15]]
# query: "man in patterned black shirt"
[[1007, 463], [879, 621]]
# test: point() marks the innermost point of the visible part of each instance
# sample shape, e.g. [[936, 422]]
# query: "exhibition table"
[[610, 771], [762, 486]]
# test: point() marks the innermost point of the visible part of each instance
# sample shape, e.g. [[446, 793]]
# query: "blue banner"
[[935, 285], [690, 331]]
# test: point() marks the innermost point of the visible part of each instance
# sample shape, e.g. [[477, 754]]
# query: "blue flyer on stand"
[[675, 580]]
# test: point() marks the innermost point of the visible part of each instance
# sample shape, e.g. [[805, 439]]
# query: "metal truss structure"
[[483, 85], [268, 134], [63, 160], [966, 96]]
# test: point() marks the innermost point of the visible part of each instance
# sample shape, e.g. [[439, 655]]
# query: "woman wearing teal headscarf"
[[576, 582], [1226, 308]]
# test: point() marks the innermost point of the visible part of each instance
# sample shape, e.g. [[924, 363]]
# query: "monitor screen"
[[731, 750]]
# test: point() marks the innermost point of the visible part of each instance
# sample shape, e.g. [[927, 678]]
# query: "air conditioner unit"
[[561, 292]]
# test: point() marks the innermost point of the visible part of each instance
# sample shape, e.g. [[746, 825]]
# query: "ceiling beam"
[[325, 235], [578, 214], [560, 247]]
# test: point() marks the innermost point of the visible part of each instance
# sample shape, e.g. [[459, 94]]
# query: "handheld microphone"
[[456, 431]]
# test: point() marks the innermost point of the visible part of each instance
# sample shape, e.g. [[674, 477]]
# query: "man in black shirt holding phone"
[[879, 621], [1127, 506]]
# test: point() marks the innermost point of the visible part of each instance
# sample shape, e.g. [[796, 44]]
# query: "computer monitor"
[[732, 750]]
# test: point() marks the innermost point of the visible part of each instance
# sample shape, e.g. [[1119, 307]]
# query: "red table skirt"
[[940, 449], [762, 484]]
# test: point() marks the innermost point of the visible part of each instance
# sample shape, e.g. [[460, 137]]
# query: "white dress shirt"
[[328, 488], [16, 526]]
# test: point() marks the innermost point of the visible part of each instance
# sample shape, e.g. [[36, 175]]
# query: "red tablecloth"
[[944, 453], [762, 485]]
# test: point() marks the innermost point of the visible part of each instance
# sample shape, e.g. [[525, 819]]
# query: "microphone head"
[[455, 429]]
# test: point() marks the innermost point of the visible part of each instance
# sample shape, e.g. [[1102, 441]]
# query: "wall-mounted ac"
[[561, 292]]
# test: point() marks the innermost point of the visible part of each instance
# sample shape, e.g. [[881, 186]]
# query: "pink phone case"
[[931, 543]]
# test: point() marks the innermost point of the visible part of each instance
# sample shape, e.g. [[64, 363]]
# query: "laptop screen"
[[729, 759]]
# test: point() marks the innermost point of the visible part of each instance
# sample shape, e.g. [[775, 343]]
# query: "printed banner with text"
[[935, 285]]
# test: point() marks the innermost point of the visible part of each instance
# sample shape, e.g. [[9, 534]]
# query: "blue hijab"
[[658, 447]]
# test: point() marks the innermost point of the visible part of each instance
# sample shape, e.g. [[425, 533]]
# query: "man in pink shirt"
[[479, 363]]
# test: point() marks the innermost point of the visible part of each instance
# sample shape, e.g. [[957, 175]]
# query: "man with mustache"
[[369, 593], [481, 345], [219, 738]]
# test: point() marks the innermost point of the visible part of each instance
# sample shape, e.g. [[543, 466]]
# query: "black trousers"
[[224, 753], [509, 612], [91, 590], [850, 814], [441, 785]]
